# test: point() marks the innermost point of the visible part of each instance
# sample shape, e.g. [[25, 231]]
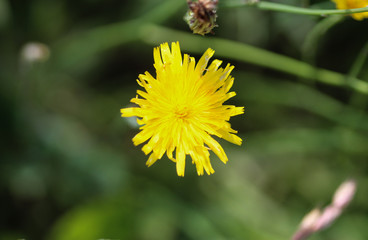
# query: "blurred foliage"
[[69, 169]]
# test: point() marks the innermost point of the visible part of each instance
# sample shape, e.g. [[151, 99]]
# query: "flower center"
[[181, 112]]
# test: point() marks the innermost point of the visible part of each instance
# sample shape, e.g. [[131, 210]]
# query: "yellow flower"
[[182, 107], [350, 4]]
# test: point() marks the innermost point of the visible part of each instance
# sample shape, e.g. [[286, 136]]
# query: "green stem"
[[359, 62], [310, 44], [291, 9], [154, 34], [358, 100]]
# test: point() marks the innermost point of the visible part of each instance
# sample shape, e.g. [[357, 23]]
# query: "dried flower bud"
[[201, 16], [344, 194]]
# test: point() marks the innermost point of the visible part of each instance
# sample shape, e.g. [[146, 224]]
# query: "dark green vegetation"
[[69, 170]]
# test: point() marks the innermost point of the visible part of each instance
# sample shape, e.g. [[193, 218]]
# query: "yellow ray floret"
[[183, 107], [350, 4]]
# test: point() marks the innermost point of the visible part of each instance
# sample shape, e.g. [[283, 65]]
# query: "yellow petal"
[[180, 162]]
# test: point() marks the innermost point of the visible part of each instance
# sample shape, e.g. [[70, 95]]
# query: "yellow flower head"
[[350, 4], [182, 107]]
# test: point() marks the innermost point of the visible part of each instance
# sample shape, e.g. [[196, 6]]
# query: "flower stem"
[[356, 99], [291, 9], [310, 44], [359, 62], [154, 34]]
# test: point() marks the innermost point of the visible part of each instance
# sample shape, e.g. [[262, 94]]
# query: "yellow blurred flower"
[[182, 107], [350, 4]]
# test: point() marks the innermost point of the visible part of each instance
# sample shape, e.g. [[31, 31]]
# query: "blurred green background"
[[69, 170]]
